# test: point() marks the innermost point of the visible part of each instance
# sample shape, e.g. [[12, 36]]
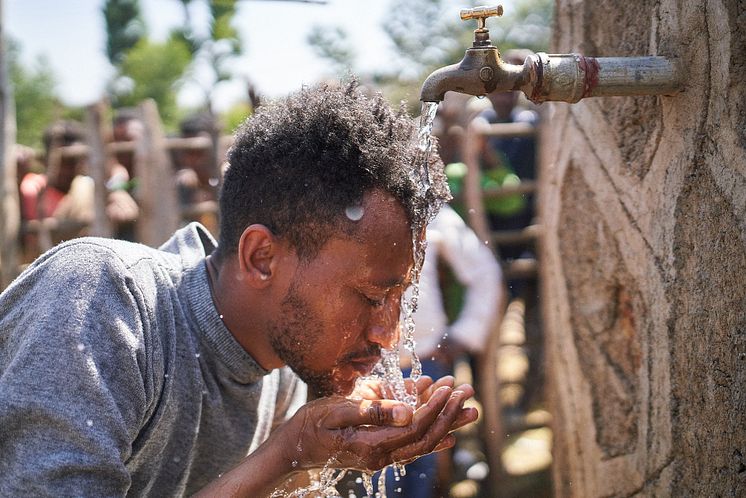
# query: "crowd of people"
[[56, 190], [259, 203]]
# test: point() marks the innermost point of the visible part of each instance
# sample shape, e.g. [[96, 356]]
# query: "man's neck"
[[241, 312]]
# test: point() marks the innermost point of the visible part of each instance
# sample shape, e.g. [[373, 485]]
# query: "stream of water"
[[389, 368]]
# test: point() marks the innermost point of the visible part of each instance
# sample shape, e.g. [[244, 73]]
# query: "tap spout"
[[480, 72]]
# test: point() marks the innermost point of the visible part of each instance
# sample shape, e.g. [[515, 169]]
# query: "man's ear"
[[258, 251]]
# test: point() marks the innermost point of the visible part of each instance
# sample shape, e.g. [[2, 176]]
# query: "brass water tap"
[[481, 71], [549, 77]]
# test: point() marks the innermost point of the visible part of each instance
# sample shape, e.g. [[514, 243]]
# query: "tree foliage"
[[425, 34], [218, 47], [332, 44], [34, 89], [124, 28], [153, 70]]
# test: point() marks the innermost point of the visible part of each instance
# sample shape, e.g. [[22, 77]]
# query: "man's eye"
[[373, 302]]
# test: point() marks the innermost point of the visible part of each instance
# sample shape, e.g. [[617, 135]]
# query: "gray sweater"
[[118, 377]]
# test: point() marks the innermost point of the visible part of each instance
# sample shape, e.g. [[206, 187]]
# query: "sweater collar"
[[242, 366]]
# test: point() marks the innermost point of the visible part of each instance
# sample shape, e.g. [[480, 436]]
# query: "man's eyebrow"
[[388, 283]]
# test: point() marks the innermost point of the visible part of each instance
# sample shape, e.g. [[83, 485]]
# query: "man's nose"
[[385, 336]]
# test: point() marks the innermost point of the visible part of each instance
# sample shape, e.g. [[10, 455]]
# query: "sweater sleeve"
[[72, 370]]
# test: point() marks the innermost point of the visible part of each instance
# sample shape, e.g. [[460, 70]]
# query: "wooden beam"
[[96, 131], [10, 212], [159, 213]]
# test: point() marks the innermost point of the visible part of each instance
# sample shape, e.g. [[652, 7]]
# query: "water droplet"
[[354, 213], [213, 182], [89, 423], [81, 346], [221, 317], [196, 355], [486, 242], [166, 376]]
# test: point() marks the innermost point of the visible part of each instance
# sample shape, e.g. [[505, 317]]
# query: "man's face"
[[198, 160], [63, 175], [343, 306]]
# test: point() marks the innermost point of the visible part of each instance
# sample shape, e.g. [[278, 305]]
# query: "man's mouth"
[[363, 366]]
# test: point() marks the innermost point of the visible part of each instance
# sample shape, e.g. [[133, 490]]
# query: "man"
[[165, 372]]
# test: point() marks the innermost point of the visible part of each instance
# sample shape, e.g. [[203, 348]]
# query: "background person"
[[451, 246], [62, 191], [197, 177], [122, 208]]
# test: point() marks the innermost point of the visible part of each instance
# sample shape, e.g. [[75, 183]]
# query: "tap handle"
[[481, 14]]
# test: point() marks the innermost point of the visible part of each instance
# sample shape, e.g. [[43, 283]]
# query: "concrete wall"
[[644, 259]]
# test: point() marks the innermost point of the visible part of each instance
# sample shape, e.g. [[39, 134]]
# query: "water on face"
[[388, 368]]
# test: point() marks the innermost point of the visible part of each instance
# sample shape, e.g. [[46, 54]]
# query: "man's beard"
[[294, 337]]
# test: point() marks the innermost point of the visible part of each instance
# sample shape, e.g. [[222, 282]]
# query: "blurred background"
[[190, 55]]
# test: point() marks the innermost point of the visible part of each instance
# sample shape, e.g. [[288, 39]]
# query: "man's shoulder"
[[95, 255], [107, 264]]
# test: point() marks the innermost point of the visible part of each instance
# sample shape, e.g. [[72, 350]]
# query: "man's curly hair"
[[298, 163]]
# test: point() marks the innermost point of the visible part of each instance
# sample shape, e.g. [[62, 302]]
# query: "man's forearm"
[[259, 474]]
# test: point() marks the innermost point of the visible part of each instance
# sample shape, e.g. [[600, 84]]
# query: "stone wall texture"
[[643, 200]]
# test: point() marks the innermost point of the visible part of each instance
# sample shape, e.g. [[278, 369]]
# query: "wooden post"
[[159, 213], [477, 216], [10, 215], [97, 160]]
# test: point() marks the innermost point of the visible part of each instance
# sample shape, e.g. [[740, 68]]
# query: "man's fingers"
[[423, 418], [446, 381], [369, 389], [447, 442], [369, 412], [435, 431], [466, 417], [422, 383]]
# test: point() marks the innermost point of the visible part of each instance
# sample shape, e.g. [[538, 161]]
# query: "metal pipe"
[[572, 77]]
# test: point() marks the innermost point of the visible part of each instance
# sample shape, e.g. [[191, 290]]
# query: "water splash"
[[354, 213], [324, 485]]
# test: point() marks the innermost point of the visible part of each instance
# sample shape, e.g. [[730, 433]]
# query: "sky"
[[277, 58]]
